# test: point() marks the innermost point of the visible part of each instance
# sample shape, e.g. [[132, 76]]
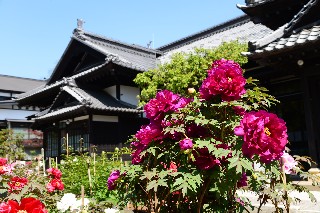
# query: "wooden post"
[[67, 144], [56, 162], [43, 161], [89, 176], [94, 164], [50, 162], [82, 197], [38, 166]]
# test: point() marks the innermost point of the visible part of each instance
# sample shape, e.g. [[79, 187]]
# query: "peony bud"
[[191, 90]]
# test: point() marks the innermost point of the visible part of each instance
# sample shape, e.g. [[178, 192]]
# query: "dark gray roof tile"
[[299, 38]]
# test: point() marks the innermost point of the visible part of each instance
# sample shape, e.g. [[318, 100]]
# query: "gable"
[[76, 58]]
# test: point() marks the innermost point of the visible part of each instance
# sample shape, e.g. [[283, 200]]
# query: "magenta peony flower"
[[165, 101], [149, 133], [239, 110], [186, 144], [264, 134], [226, 79], [288, 163], [204, 160], [114, 176], [137, 148], [243, 180]]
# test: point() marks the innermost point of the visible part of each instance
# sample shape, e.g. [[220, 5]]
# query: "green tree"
[[186, 70], [11, 144]]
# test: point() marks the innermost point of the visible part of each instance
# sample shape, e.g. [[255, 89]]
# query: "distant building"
[[13, 116]]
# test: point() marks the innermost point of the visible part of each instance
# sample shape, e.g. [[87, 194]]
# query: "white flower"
[[111, 210], [76, 207], [66, 201]]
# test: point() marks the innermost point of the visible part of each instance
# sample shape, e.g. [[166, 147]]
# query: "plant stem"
[[204, 191]]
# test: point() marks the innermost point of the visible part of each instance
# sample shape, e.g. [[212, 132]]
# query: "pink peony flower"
[[55, 173], [55, 184], [186, 144], [264, 134], [114, 176], [5, 208], [226, 79], [288, 163], [165, 101]]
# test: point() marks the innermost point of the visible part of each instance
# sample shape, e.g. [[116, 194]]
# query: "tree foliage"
[[186, 70]]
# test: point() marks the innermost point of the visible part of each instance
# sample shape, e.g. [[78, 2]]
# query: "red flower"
[[264, 134], [17, 183], [114, 176], [55, 173], [55, 184], [3, 161], [27, 205], [226, 79]]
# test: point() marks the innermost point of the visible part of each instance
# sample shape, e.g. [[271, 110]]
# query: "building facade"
[[13, 116]]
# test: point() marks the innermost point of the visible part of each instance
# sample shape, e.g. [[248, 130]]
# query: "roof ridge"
[[215, 29], [11, 76], [78, 34]]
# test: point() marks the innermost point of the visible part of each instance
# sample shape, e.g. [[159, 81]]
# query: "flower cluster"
[[55, 180], [70, 202], [17, 183], [27, 205], [264, 134], [225, 79], [164, 103]]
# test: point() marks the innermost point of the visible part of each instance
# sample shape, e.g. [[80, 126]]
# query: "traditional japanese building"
[[286, 61], [90, 98]]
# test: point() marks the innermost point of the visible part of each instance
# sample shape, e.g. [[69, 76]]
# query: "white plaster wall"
[[129, 94], [111, 91]]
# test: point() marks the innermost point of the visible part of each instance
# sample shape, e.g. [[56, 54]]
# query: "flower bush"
[[199, 151]]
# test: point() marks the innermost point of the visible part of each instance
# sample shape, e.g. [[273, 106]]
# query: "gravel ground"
[[304, 206]]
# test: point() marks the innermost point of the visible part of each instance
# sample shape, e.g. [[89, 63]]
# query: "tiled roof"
[[59, 112], [131, 56], [17, 84], [241, 29], [56, 84], [287, 36], [95, 100], [101, 101], [303, 37], [254, 3]]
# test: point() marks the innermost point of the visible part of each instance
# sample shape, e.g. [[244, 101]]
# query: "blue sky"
[[34, 33]]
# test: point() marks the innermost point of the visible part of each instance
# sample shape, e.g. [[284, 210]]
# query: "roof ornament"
[[80, 23]]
